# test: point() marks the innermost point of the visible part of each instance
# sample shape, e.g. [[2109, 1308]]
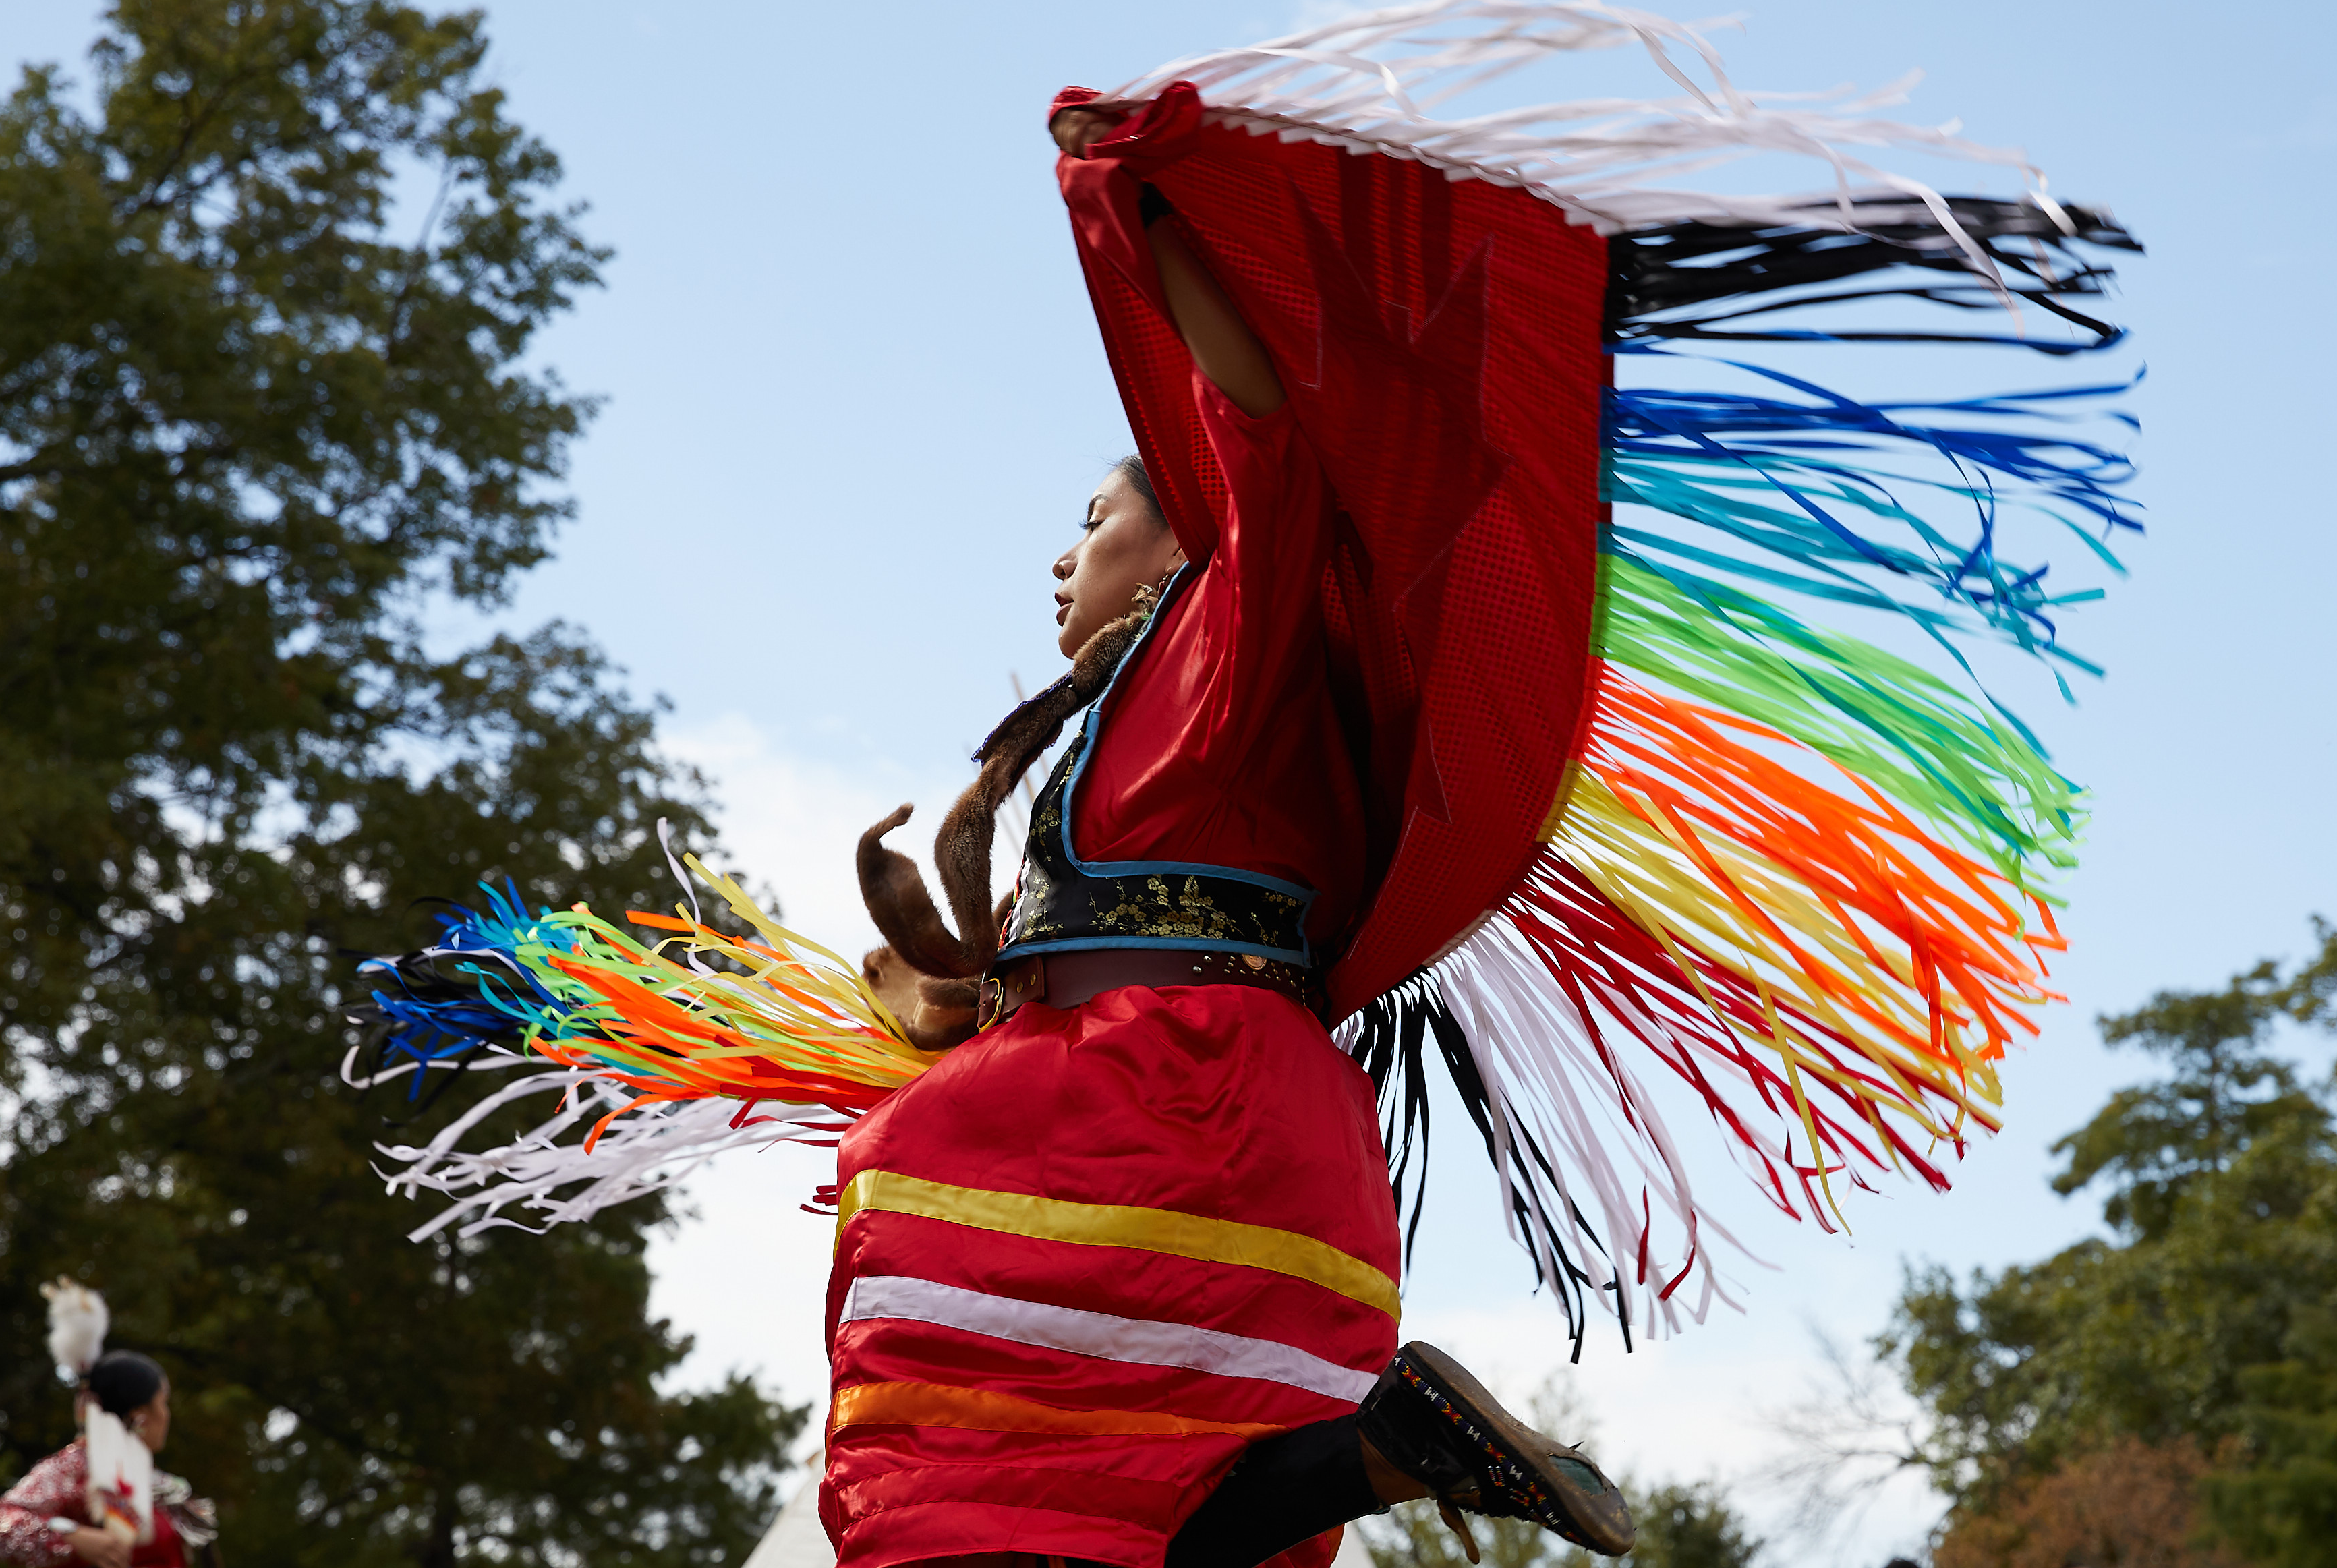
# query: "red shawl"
[[1459, 597]]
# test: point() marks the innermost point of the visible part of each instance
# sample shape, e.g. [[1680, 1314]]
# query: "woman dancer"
[[1139, 1227], [1390, 719], [133, 1516]]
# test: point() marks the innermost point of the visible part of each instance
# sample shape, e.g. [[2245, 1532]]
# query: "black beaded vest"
[[1064, 904]]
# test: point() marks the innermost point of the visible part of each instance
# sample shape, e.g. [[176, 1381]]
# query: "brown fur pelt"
[[925, 974], [935, 1014]]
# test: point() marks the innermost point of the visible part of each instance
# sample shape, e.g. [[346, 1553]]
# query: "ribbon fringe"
[[1368, 84], [663, 1058], [1795, 951], [547, 1173]]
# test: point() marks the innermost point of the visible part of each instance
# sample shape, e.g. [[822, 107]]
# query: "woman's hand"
[[1081, 125], [100, 1547]]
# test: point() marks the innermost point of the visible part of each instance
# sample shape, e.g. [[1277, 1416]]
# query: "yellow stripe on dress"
[[1165, 1230], [979, 1410]]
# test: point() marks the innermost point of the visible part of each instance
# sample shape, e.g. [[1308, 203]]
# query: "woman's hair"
[[1131, 468], [123, 1380]]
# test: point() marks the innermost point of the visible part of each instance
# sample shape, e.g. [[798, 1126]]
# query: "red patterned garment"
[[58, 1487], [1097, 1251]]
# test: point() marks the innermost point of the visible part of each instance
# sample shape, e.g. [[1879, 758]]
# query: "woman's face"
[[1123, 546], [151, 1420]]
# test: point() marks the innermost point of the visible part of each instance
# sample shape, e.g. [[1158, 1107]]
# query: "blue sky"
[[856, 401]]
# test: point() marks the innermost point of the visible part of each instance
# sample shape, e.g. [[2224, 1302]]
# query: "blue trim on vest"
[[1090, 731]]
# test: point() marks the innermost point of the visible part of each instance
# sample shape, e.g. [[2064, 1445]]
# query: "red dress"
[[1096, 1251], [58, 1487]]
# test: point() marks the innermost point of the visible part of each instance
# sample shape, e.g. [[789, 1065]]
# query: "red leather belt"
[[1067, 979]]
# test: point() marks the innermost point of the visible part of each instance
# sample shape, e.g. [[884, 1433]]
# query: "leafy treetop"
[[2202, 1327], [266, 304]]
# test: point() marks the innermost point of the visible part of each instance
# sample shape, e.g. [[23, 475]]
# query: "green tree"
[[2153, 1145], [2203, 1319], [256, 417], [2279, 1506], [1680, 1527], [1690, 1526], [1412, 1535]]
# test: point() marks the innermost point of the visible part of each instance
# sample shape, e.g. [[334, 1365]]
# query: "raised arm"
[[1221, 342]]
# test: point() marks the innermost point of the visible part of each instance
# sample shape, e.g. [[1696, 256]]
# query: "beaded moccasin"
[[1435, 1423]]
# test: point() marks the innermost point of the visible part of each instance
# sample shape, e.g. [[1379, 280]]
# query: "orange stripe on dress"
[[979, 1410]]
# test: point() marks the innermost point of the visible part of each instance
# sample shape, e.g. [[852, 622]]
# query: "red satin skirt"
[[1087, 1259]]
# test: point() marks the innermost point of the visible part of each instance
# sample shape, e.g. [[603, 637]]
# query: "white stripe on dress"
[[1099, 1334]]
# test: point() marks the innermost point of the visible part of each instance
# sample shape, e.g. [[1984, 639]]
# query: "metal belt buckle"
[[1028, 977]]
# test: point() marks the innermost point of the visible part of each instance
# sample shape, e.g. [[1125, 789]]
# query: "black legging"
[[1281, 1492]]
